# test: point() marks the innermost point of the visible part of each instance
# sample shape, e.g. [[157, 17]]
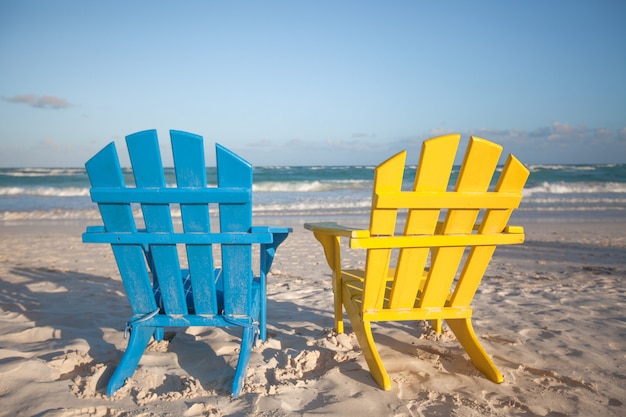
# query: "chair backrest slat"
[[145, 157], [479, 165], [104, 171], [433, 174], [387, 177], [234, 172], [512, 179], [188, 153]]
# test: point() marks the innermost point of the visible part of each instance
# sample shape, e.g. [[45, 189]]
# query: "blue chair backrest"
[[147, 254]]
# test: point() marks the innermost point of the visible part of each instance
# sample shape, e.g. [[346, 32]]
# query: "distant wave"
[[311, 186], [576, 188], [42, 172], [45, 191], [582, 209], [8, 216], [569, 201], [313, 206], [564, 167]]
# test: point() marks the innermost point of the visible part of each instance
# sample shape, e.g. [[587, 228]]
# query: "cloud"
[[40, 102], [357, 135], [558, 132], [563, 131], [540, 132], [558, 142], [563, 143], [261, 144], [50, 144]]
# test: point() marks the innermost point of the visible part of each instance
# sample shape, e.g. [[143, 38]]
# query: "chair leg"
[[436, 325], [363, 332], [263, 319], [337, 295], [159, 333], [247, 340], [139, 338], [248, 337], [464, 332]]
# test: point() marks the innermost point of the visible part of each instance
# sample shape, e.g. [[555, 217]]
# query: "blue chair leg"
[[139, 338], [159, 333], [247, 340], [263, 314]]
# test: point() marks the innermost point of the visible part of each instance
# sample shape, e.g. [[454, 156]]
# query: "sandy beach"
[[551, 313]]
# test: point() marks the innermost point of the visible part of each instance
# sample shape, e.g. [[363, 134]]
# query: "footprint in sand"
[[83, 412], [551, 379]]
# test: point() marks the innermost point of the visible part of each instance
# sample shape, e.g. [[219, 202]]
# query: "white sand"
[[551, 313]]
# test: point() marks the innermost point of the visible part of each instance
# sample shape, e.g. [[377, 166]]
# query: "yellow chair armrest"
[[329, 234], [514, 229], [335, 229]]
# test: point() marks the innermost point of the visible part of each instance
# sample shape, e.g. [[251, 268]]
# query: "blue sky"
[[313, 82]]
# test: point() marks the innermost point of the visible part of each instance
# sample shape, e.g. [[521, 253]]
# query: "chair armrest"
[[334, 229], [94, 229], [270, 229], [514, 229], [329, 234], [268, 250]]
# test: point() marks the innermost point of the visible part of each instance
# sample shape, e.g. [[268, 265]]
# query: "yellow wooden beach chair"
[[441, 242]]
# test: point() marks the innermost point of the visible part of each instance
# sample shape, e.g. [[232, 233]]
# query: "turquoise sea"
[[553, 192]]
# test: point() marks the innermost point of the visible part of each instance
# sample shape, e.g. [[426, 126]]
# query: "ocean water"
[[553, 192]]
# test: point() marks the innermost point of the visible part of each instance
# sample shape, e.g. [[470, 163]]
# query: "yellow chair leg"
[[337, 303], [364, 335], [436, 325], [464, 332]]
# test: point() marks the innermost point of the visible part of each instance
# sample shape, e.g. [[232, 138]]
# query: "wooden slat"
[[448, 200], [233, 171], [167, 238], [104, 171], [162, 195], [433, 174], [387, 178], [512, 180], [143, 149], [479, 164], [436, 241], [188, 153], [438, 313]]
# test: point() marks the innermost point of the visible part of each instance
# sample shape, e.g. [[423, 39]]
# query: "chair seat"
[[186, 277], [353, 293]]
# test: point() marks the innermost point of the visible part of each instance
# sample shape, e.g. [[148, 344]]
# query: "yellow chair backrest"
[[440, 219]]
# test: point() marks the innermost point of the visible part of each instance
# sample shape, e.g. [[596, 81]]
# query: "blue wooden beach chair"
[[171, 287]]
